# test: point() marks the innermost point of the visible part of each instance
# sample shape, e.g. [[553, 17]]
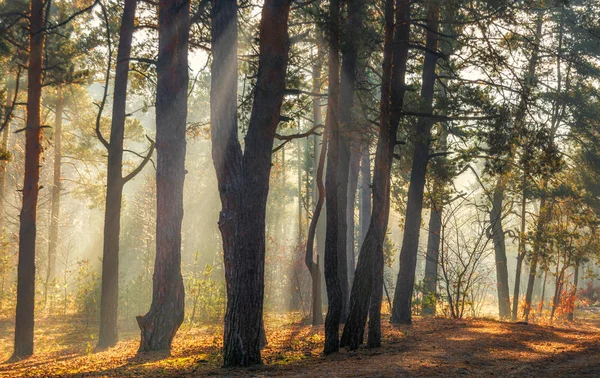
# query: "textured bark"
[[108, 335], [368, 281], [500, 249], [159, 325], [331, 259], [27, 231], [401, 308], [55, 196], [244, 178]]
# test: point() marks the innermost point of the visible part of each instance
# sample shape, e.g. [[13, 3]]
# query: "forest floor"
[[430, 347]]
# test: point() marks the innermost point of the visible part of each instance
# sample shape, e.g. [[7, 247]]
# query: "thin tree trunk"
[[320, 152], [521, 249], [574, 292], [541, 224], [431, 260], [27, 231], [401, 310], [109, 298], [159, 325], [368, 281], [311, 264], [497, 232], [364, 214], [55, 196], [354, 167], [4, 146]]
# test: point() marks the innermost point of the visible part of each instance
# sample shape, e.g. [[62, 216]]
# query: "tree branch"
[[143, 163]]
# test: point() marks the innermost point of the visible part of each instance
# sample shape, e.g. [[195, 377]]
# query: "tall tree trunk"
[[535, 253], [55, 197], [497, 234], [244, 179], [353, 170], [435, 229], [521, 249], [4, 147], [27, 231], [332, 262], [311, 264], [320, 152], [159, 325], [364, 209], [401, 310], [368, 281], [109, 299]]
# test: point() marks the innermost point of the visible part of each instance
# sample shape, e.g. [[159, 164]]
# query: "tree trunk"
[[4, 146], [27, 231], [368, 281], [500, 250], [311, 264], [244, 179], [364, 209], [431, 260], [159, 325], [541, 224], [354, 167], [522, 250], [401, 310], [109, 299], [574, 292], [55, 197], [332, 262], [320, 152]]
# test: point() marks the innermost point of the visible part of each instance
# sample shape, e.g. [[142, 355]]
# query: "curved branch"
[[143, 163], [106, 82]]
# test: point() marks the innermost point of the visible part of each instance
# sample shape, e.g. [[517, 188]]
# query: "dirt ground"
[[430, 347]]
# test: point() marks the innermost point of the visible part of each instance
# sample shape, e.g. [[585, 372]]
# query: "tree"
[[159, 325], [115, 182], [401, 309], [27, 231], [368, 280], [244, 177]]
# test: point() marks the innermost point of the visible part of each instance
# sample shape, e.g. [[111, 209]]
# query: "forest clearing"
[[430, 347]]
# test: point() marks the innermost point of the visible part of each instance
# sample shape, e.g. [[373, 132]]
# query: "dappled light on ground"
[[431, 346]]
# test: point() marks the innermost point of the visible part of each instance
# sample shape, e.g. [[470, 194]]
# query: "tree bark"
[[109, 298], [364, 209], [541, 224], [500, 250], [521, 249], [353, 170], [55, 196], [332, 261], [27, 232], [311, 264], [244, 179], [368, 281], [401, 309], [159, 325]]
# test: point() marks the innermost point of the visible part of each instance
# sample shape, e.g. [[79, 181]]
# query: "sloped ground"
[[430, 347]]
